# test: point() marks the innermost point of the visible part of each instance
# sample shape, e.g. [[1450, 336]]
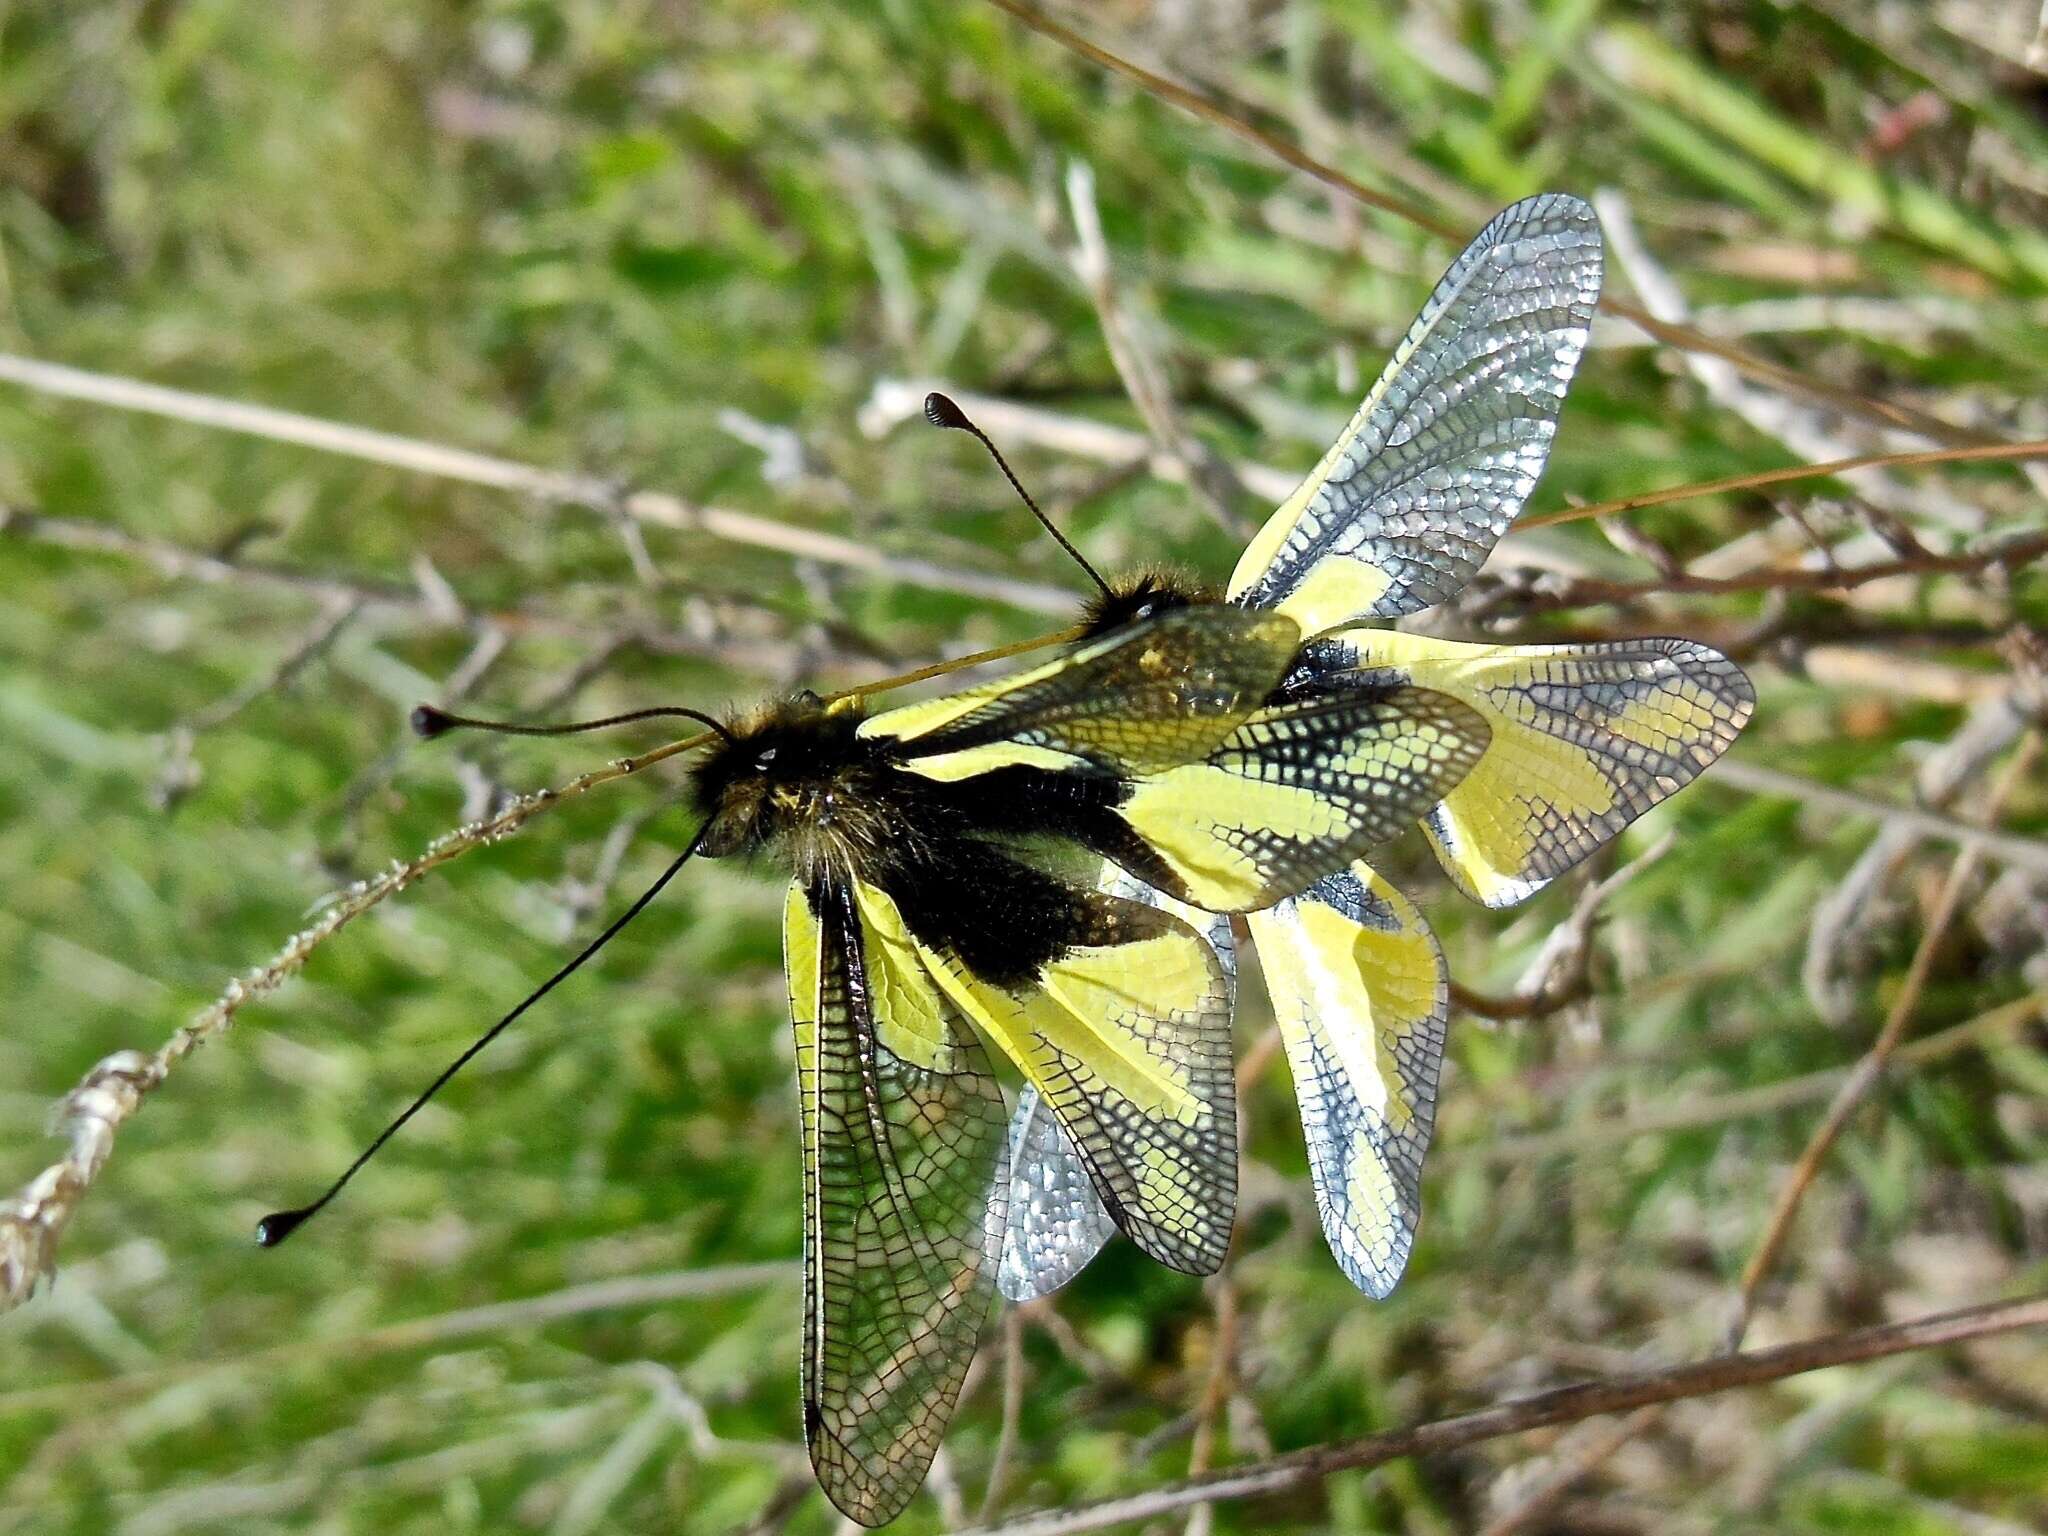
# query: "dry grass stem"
[[1688, 1114], [33, 1221], [1857, 1085], [657, 508]]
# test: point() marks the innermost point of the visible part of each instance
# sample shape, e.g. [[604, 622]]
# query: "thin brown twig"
[[1216, 1391], [1563, 1405], [1533, 1005], [1013, 1413], [1756, 480], [1297, 158], [1856, 1087]]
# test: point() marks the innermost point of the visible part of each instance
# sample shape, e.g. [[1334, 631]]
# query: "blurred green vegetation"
[[579, 234]]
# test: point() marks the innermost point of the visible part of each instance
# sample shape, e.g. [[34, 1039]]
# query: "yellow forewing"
[[1445, 449], [1137, 700], [1128, 1045], [1359, 989], [1585, 738], [1299, 791]]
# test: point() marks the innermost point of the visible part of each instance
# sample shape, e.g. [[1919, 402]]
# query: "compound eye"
[[763, 758], [1147, 608]]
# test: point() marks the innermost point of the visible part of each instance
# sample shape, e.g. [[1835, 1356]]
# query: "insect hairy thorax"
[[987, 869], [1142, 596]]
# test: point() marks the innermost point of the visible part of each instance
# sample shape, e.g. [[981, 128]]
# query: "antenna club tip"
[[277, 1226], [429, 722], [940, 411]]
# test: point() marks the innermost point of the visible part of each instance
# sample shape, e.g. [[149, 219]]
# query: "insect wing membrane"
[[1585, 738], [1135, 701], [1056, 1221], [1361, 993], [1301, 790], [1412, 497], [903, 1137], [1127, 1042]]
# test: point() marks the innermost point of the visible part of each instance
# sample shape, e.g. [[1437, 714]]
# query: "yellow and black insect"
[[968, 872], [1580, 739]]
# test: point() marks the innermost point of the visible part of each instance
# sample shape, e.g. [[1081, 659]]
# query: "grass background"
[[586, 235]]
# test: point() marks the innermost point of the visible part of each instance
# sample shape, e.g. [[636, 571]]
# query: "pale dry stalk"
[[92, 1114]]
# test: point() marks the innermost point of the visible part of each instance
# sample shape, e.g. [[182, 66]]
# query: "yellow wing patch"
[[1056, 1222], [949, 767], [1360, 991], [913, 1018], [1300, 790], [1585, 739], [1129, 1047], [1336, 589]]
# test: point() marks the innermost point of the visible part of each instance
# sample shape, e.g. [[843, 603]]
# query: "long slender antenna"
[[941, 411], [279, 1225], [429, 722]]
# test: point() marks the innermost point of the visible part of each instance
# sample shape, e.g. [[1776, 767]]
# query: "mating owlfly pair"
[[1046, 867]]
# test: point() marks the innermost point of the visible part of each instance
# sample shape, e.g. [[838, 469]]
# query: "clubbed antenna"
[[429, 722], [279, 1225], [941, 411]]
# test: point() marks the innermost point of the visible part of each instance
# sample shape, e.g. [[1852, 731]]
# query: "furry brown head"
[[793, 774]]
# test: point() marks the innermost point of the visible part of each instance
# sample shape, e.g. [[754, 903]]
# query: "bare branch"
[[1564, 1405], [1995, 453], [2009, 551]]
